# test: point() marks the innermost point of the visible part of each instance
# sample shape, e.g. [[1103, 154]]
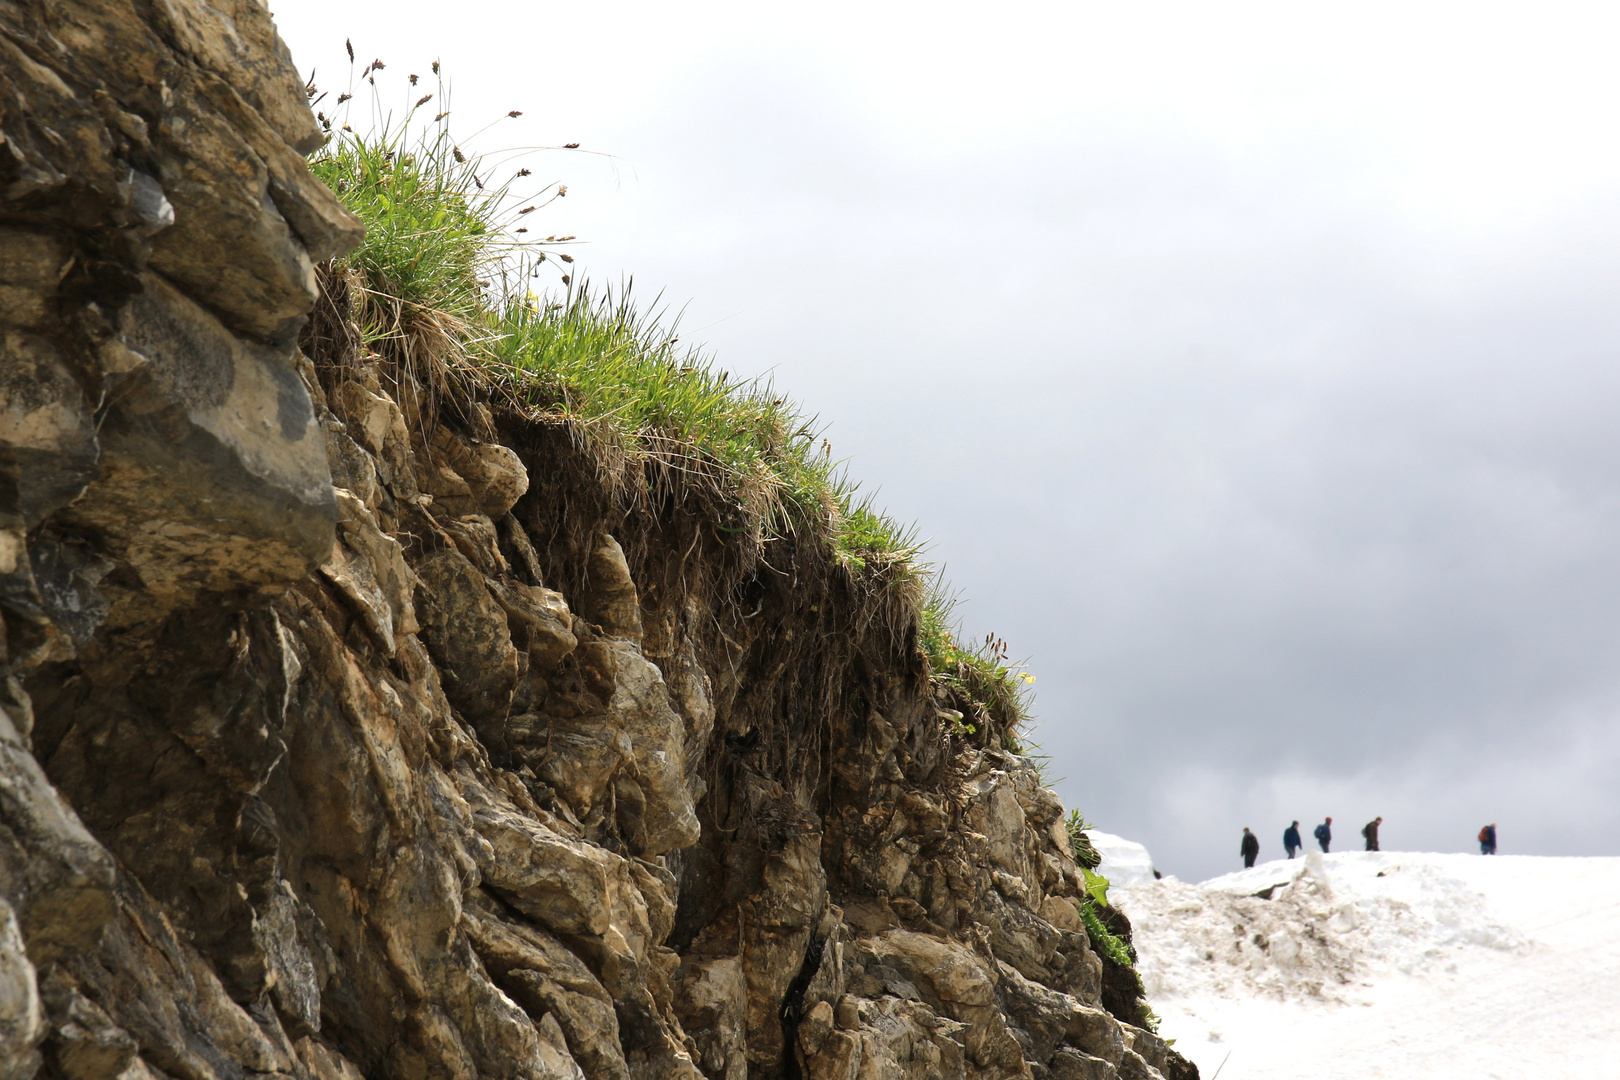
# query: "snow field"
[[1385, 964]]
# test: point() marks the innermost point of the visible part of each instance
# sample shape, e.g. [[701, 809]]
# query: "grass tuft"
[[442, 286], [979, 674], [1080, 844]]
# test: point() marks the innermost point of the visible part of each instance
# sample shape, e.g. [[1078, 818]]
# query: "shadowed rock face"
[[342, 737]]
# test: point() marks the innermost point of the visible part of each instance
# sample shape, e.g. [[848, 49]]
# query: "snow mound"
[[1305, 928], [1124, 862], [1388, 964]]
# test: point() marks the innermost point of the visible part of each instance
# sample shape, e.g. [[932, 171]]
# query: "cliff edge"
[[362, 717]]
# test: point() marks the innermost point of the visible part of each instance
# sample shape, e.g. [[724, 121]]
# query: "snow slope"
[[1125, 862], [1387, 964]]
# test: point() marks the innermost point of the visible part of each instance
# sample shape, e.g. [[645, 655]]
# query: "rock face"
[[345, 735]]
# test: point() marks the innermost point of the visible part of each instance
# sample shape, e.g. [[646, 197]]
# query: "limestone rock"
[[489, 477], [58, 879], [640, 708], [47, 437], [713, 1006], [369, 568], [540, 618], [952, 981], [22, 1023], [1152, 1049], [220, 433], [322, 1063], [1071, 1064], [564, 884], [1133, 1067], [466, 631], [84, 1042], [352, 729], [612, 601]]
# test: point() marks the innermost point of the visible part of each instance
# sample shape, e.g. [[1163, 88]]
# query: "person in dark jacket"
[[1370, 832], [1324, 834], [1487, 839], [1291, 839], [1251, 847]]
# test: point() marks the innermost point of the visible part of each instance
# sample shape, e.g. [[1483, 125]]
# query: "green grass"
[[427, 244], [433, 235], [446, 278], [980, 672], [1095, 898], [1080, 844], [1102, 940]]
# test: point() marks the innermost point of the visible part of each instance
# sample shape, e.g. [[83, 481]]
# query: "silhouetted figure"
[[1324, 834], [1291, 839], [1370, 832], [1487, 839], [1251, 847]]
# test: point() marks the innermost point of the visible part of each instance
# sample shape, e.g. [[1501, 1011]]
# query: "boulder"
[[466, 632], [219, 432], [611, 600]]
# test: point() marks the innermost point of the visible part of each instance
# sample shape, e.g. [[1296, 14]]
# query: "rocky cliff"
[[356, 723]]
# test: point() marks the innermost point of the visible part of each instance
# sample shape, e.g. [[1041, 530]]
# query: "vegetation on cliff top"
[[445, 290]]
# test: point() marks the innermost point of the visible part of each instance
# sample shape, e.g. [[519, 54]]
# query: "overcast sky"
[[1252, 367]]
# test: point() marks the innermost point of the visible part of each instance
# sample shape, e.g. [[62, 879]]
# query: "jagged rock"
[[1062, 913], [1133, 1067], [1071, 1064], [567, 885], [369, 568], [322, 1063], [1097, 1033], [480, 477], [84, 1042], [713, 1006], [544, 976], [889, 1037], [481, 762], [377, 424], [540, 619], [220, 433], [467, 633], [952, 981], [1152, 1049], [47, 436], [662, 817], [611, 601], [58, 879], [475, 536], [22, 1022], [237, 39]]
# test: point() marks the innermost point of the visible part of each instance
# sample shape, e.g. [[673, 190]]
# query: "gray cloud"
[[1298, 502]]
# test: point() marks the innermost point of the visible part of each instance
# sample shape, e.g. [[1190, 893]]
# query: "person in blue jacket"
[[1324, 834], [1487, 839], [1291, 839]]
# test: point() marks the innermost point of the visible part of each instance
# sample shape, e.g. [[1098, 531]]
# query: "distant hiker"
[[1370, 831], [1291, 839], [1251, 847], [1487, 839], [1324, 834]]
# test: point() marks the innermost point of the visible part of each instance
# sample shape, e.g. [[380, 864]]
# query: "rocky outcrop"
[[350, 732]]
